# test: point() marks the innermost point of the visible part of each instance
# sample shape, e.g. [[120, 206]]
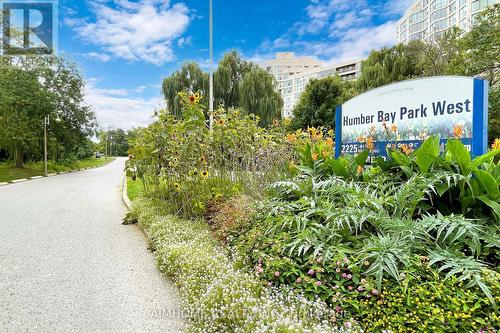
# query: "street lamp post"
[[46, 122], [211, 83]]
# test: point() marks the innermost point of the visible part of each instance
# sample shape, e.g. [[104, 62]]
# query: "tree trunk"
[[19, 159]]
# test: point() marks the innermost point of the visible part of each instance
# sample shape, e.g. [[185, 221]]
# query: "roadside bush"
[[190, 166], [222, 298], [353, 235]]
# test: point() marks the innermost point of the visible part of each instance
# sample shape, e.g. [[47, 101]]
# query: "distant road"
[[67, 264]]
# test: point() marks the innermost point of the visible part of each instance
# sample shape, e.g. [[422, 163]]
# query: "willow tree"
[[389, 65], [190, 78], [258, 96], [228, 77]]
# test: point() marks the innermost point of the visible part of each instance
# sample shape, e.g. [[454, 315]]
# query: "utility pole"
[[211, 89], [45, 123]]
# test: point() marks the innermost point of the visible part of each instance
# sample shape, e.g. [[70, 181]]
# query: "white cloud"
[[135, 31], [352, 26], [184, 41], [117, 108], [102, 57]]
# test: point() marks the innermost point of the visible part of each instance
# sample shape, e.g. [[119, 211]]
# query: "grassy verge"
[[134, 188], [218, 295], [9, 173]]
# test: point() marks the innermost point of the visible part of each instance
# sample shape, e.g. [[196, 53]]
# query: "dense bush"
[[220, 297], [357, 236], [189, 166]]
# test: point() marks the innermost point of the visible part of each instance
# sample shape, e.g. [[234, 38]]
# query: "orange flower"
[[458, 131], [360, 169], [394, 128], [496, 144], [369, 144], [329, 142], [361, 139], [315, 156], [291, 137], [406, 149]]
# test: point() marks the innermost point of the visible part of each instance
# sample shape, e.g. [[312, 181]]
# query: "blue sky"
[[125, 48]]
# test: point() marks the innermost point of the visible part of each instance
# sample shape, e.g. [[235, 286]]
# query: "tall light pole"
[[46, 122], [211, 83]]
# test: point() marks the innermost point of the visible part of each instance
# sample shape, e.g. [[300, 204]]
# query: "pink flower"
[[320, 259], [349, 276], [318, 283], [269, 284], [310, 272], [360, 288], [375, 292], [348, 324], [346, 260], [338, 262], [338, 309], [299, 280], [337, 270], [350, 288], [277, 274], [344, 275]]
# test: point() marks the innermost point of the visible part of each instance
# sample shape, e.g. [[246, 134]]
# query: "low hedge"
[[217, 295]]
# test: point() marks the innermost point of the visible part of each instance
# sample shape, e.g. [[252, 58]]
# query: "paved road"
[[67, 264]]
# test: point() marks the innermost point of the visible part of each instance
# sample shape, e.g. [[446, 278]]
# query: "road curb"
[[15, 181], [125, 197], [128, 204], [52, 174]]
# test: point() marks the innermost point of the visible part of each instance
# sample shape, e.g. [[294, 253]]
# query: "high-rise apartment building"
[[428, 19], [294, 73]]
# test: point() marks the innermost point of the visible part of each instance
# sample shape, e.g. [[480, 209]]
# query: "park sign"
[[402, 115]]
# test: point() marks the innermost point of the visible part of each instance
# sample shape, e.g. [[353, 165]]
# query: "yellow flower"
[[287, 121], [325, 154], [360, 169], [177, 187], [369, 144], [315, 156], [205, 174], [496, 144], [330, 132], [394, 128], [458, 131], [329, 142], [291, 137], [221, 122], [276, 122], [203, 159]]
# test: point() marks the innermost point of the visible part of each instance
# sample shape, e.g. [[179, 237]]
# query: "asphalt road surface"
[[68, 265]]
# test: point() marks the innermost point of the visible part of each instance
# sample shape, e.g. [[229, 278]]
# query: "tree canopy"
[[33, 91], [237, 84]]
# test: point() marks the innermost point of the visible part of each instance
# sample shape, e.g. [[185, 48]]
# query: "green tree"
[[389, 65], [189, 78], [32, 90], [23, 105], [258, 96], [317, 103], [228, 77]]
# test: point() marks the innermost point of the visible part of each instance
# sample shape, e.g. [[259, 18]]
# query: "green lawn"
[[8, 173], [134, 188]]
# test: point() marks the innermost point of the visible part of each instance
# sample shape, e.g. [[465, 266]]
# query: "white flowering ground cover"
[[218, 297]]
